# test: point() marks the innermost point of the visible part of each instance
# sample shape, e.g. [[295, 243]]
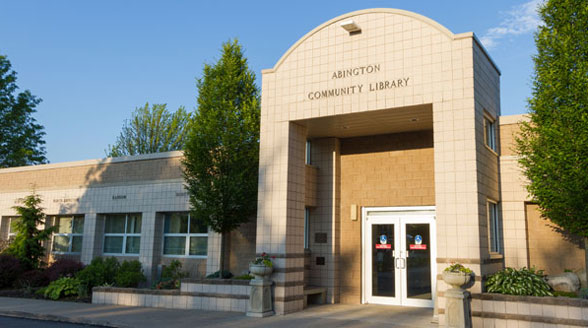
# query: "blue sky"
[[93, 62]]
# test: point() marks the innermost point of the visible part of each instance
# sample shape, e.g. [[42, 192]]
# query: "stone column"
[[93, 237], [151, 240], [280, 215], [457, 308], [325, 218]]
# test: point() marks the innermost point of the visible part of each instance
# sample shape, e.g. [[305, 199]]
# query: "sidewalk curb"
[[57, 318]]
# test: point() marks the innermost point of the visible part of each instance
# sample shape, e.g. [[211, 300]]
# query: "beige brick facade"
[[385, 170], [449, 85], [149, 185], [396, 115]]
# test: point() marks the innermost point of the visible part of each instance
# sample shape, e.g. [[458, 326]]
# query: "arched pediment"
[[374, 11]]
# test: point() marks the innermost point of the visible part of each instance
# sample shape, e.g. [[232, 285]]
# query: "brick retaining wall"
[[212, 295], [496, 310]]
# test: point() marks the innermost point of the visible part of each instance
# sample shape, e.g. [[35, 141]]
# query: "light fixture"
[[350, 26]]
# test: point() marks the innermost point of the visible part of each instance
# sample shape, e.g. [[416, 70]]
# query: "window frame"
[[494, 227], [11, 234], [70, 235], [490, 133], [187, 235], [308, 153], [125, 234], [306, 228]]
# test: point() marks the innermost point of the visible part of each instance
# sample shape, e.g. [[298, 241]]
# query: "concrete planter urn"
[[260, 299], [260, 271], [457, 300], [456, 279]]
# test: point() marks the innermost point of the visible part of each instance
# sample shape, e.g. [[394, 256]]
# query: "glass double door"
[[398, 260]]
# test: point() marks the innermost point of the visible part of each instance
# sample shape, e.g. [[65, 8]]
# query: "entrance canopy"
[[385, 121]]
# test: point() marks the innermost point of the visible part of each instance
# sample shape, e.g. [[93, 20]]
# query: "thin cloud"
[[521, 19]]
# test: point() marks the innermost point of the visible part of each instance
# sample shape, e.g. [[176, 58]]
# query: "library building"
[[383, 160]]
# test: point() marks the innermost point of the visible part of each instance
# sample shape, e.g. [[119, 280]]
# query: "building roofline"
[[444, 30], [513, 119], [107, 160]]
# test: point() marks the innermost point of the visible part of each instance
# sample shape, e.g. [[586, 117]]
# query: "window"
[[307, 156], [11, 228], [306, 227], [490, 133], [69, 234], [494, 230], [184, 235], [122, 233]]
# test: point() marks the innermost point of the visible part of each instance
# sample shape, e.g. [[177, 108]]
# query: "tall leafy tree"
[[554, 144], [28, 242], [222, 152], [151, 130], [21, 137]]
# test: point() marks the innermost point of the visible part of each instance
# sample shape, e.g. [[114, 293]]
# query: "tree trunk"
[[223, 259], [586, 256]]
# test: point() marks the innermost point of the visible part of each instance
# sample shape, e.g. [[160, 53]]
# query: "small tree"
[[27, 245], [21, 137], [554, 144], [222, 151], [151, 130]]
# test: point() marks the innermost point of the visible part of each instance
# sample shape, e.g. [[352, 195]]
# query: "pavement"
[[323, 316]]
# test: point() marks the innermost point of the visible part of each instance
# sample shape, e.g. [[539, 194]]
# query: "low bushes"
[[66, 278], [32, 279], [528, 282], [62, 287], [10, 270], [108, 272], [171, 276], [99, 272], [129, 274], [63, 268], [216, 275]]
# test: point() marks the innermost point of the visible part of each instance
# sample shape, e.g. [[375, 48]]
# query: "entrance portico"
[[407, 132]]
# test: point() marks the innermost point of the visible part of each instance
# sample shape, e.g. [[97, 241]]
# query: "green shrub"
[[130, 274], [565, 294], [61, 287], [456, 267], [518, 282], [171, 276], [100, 272], [174, 271], [244, 277], [226, 275]]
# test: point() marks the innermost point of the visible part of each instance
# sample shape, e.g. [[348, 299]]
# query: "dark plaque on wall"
[[320, 237], [320, 260]]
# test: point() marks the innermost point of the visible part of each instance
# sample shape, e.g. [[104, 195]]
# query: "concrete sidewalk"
[[337, 315]]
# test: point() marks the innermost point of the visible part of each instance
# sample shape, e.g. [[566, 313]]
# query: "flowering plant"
[[264, 259], [456, 267]]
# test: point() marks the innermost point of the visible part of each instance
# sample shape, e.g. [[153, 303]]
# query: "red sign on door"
[[418, 247], [383, 246]]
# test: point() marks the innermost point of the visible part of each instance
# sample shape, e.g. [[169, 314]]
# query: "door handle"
[[403, 262]]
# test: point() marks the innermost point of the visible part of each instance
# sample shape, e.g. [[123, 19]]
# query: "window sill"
[[491, 150], [496, 256], [66, 253], [200, 257], [120, 254]]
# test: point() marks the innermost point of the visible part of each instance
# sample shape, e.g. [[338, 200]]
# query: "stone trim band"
[[530, 318]]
